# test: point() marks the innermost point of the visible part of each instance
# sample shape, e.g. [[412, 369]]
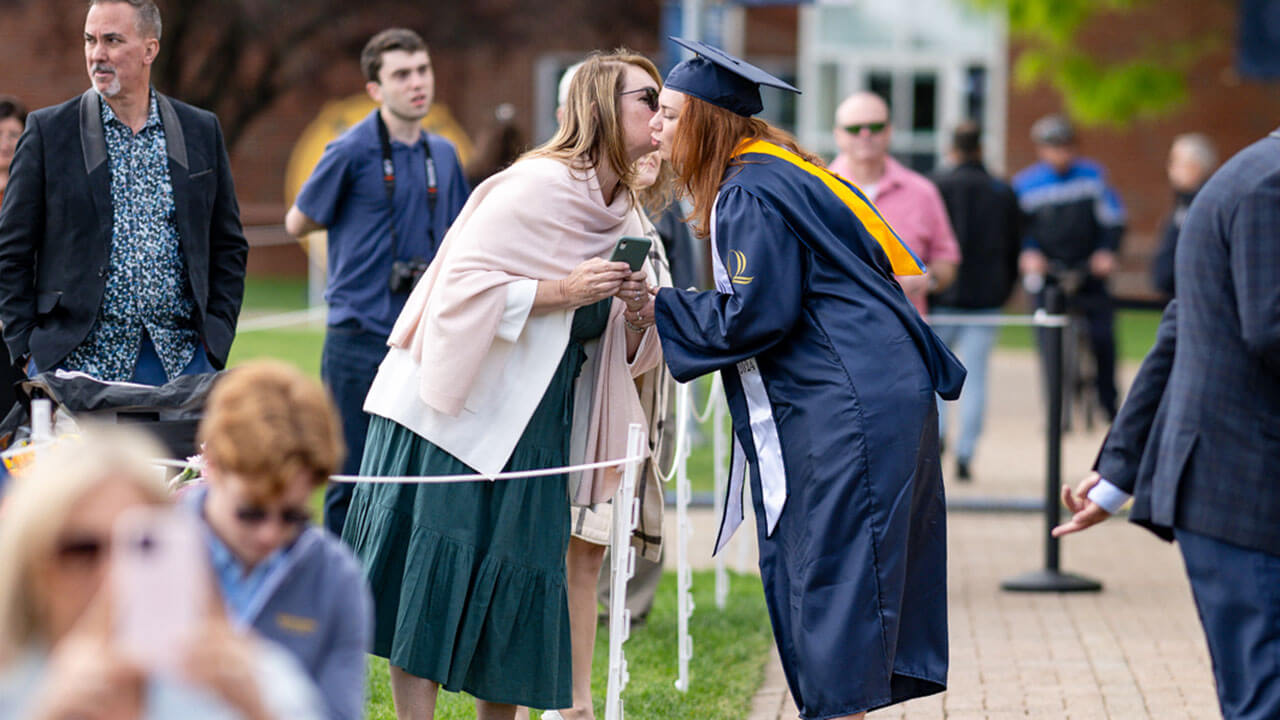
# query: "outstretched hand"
[[1085, 512]]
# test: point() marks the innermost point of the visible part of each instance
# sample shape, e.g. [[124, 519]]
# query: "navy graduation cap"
[[721, 79]]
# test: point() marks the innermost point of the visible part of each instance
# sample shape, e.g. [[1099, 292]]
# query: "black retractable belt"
[[405, 273]]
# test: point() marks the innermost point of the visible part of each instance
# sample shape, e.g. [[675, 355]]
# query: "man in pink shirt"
[[907, 199]]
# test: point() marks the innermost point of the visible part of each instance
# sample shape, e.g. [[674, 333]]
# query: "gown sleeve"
[[758, 296]]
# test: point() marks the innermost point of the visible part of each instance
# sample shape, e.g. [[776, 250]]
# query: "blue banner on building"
[[1259, 52]]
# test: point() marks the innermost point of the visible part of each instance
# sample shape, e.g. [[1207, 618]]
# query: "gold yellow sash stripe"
[[903, 261]]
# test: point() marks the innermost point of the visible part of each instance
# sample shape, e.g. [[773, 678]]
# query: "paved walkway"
[[1133, 651]]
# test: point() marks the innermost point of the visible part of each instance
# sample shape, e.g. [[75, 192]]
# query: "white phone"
[[160, 585]]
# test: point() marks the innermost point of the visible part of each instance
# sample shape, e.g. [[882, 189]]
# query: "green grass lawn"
[[729, 651]]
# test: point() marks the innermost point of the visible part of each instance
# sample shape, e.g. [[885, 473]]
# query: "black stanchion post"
[[1051, 579]]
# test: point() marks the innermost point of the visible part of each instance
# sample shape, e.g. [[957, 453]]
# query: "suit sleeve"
[[1125, 443], [1254, 245], [759, 300], [21, 226], [228, 253]]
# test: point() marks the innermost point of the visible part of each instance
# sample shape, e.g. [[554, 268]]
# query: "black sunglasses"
[[257, 515], [81, 550], [874, 127], [649, 97]]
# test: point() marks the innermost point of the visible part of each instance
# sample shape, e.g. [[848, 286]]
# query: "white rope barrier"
[[282, 320], [630, 461], [626, 515], [1038, 319]]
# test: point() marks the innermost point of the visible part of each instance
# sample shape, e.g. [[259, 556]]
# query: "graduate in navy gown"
[[830, 375]]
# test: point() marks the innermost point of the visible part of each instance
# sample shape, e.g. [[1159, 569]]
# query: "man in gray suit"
[[1197, 443], [121, 251]]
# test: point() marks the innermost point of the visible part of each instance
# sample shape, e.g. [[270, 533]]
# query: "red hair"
[[706, 137]]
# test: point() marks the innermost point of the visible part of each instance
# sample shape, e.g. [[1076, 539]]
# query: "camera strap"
[[389, 184]]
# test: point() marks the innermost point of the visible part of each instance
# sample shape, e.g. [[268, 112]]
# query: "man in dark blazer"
[[1197, 443], [121, 250]]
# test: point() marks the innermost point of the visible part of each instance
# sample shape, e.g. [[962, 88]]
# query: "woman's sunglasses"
[[81, 550], [649, 97], [874, 127]]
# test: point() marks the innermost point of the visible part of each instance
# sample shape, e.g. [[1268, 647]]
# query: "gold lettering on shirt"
[[295, 623]]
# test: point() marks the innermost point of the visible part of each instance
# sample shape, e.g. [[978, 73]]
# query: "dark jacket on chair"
[[56, 228]]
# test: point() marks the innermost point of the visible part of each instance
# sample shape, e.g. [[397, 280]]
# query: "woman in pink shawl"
[[482, 376]]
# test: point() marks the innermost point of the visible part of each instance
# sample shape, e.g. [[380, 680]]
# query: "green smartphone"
[[632, 251]]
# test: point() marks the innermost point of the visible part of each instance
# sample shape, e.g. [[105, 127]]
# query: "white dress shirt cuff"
[[1108, 496], [520, 296]]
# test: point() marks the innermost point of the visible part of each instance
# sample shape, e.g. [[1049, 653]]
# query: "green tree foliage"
[[1148, 80]]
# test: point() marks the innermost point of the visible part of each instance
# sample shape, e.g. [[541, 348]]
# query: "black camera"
[[405, 274]]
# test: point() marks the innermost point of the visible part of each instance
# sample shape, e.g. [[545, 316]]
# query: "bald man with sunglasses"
[[908, 200]]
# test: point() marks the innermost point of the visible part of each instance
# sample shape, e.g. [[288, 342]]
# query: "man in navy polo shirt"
[[384, 227]]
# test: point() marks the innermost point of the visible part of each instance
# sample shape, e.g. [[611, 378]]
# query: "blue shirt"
[[240, 588], [147, 287], [346, 194]]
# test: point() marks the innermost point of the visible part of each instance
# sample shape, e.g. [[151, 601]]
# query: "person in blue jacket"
[[271, 438], [830, 376]]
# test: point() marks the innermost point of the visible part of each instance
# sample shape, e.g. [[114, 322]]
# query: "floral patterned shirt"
[[147, 286]]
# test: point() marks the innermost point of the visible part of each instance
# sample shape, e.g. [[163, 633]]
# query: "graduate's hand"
[[1085, 512], [593, 281]]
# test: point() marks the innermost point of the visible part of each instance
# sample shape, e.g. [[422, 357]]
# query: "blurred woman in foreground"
[[60, 656]]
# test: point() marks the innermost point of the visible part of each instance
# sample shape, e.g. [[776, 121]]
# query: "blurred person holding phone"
[[484, 375], [271, 437], [65, 595]]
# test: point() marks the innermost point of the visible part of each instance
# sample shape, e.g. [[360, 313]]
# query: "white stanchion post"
[[625, 516], [721, 468], [684, 571]]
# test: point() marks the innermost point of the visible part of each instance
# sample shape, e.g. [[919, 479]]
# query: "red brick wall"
[[1232, 111]]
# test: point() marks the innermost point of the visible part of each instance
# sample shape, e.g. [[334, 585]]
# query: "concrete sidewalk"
[[1133, 651]]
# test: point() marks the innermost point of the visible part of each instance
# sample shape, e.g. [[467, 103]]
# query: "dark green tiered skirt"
[[468, 579]]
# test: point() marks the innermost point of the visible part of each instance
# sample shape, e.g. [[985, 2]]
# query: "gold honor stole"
[[903, 261]]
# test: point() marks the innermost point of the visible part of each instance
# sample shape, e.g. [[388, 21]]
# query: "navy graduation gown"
[[830, 375]]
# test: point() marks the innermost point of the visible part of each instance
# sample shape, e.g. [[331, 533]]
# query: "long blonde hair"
[[36, 507], [591, 132]]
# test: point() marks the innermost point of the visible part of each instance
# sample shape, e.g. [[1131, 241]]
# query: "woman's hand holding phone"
[[594, 280]]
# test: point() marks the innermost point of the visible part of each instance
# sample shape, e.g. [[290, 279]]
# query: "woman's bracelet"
[[634, 328]]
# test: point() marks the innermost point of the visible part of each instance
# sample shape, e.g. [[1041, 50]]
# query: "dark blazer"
[[1202, 422], [56, 226]]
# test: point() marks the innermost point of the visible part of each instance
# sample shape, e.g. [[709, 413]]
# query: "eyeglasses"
[[874, 127], [81, 550], [257, 515], [649, 97]]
